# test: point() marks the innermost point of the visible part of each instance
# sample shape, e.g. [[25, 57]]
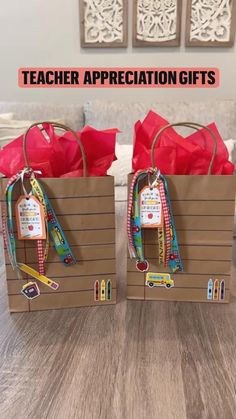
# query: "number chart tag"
[[151, 214], [30, 219]]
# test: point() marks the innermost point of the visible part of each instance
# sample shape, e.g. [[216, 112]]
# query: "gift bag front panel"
[[85, 209], [203, 208]]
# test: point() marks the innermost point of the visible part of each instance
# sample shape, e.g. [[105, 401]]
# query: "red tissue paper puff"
[[60, 155], [99, 147], [175, 154], [39, 153]]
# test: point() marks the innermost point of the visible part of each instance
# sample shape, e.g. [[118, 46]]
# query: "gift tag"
[[30, 219], [30, 290], [150, 207]]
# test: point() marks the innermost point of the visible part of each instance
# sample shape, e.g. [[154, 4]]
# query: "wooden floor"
[[138, 360]]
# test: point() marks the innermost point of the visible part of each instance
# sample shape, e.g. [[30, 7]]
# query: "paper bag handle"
[[55, 125], [193, 125]]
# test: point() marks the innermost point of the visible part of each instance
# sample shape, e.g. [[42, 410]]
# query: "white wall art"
[[103, 23], [211, 23], [157, 22]]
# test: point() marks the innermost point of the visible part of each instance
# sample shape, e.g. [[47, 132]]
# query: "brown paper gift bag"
[[203, 208], [85, 209]]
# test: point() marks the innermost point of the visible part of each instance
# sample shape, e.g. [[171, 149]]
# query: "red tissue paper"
[[60, 155], [177, 155]]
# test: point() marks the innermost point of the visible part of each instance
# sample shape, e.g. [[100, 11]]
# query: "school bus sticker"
[[159, 280]]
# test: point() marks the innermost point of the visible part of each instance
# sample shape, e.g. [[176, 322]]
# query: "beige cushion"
[[122, 165], [5, 116], [11, 129], [231, 147], [103, 115], [72, 114]]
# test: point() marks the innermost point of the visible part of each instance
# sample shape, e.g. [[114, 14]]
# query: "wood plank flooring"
[[138, 360]]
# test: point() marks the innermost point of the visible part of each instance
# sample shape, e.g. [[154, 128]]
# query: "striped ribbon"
[[40, 255], [161, 245], [130, 225], [175, 262], [37, 192], [53, 226], [4, 218], [8, 222], [166, 213]]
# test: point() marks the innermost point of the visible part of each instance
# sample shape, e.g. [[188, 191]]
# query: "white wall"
[[46, 33]]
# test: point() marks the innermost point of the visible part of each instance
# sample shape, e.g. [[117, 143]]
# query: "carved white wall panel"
[[103, 21], [156, 20], [211, 20]]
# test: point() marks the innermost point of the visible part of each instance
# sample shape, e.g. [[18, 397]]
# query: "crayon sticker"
[[216, 290], [151, 214], [30, 219], [96, 290], [210, 289], [108, 290], [103, 290], [222, 290]]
